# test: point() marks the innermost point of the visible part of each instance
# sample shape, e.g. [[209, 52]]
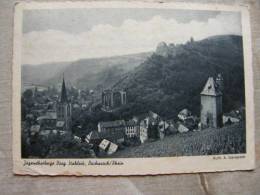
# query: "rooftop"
[[116, 123], [211, 89], [93, 135], [60, 123], [35, 128], [130, 123], [48, 115], [185, 112], [104, 144]]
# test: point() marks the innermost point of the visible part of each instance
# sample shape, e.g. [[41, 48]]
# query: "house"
[[48, 121], [182, 128], [152, 126], [46, 133], [184, 114], [60, 125], [232, 117], [77, 138], [62, 132], [76, 106], [107, 147], [132, 129], [143, 131], [112, 148], [104, 145], [84, 106], [190, 123], [112, 130], [35, 129], [162, 126], [93, 137], [38, 112], [153, 115], [138, 118]]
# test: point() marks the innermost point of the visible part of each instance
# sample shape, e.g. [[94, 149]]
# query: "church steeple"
[[63, 110], [63, 97]]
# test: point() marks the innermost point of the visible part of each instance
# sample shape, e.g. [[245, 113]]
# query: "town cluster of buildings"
[[109, 135], [143, 127], [52, 113], [152, 126]]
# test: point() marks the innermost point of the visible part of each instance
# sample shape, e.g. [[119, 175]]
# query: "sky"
[[73, 34]]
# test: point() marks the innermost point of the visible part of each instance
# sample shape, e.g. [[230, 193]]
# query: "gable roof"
[[93, 135], [185, 112], [116, 123], [131, 123], [104, 144], [48, 115], [153, 115], [140, 117], [211, 88], [112, 148]]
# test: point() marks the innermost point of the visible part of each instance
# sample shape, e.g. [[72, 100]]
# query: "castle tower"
[[107, 99], [211, 105], [113, 99], [220, 82], [123, 97], [63, 110]]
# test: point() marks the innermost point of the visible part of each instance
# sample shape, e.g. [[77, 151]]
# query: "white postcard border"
[[133, 166]]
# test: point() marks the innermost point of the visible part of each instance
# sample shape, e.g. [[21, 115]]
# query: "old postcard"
[[132, 88]]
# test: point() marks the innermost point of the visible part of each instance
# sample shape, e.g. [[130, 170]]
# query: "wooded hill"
[[172, 77], [83, 73]]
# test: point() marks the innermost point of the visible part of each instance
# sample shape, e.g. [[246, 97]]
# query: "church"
[[63, 109], [211, 103]]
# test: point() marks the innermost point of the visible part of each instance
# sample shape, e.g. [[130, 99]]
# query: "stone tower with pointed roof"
[[211, 105], [63, 110]]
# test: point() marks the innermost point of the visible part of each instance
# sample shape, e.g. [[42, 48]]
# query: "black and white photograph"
[[132, 82]]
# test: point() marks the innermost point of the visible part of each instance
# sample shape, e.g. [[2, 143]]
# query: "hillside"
[[173, 77], [227, 140], [85, 73], [165, 81], [39, 74]]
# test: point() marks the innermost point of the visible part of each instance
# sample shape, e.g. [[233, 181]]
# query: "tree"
[[153, 131], [28, 94]]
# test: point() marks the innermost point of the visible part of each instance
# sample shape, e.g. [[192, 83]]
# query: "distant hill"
[[85, 73], [172, 77], [39, 74]]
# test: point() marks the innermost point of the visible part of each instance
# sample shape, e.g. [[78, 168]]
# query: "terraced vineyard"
[[227, 140]]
